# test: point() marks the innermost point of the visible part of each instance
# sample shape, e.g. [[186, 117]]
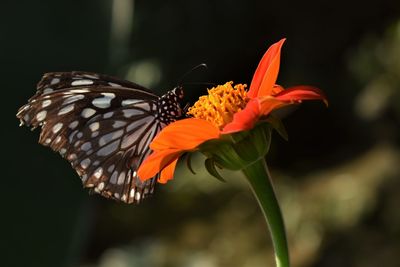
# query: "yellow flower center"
[[221, 103]]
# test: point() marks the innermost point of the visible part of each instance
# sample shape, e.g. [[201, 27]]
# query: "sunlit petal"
[[301, 92], [168, 172], [267, 72], [270, 103], [157, 161], [186, 134], [245, 119], [277, 89]]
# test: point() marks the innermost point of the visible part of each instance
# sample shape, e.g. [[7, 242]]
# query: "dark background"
[[337, 178]]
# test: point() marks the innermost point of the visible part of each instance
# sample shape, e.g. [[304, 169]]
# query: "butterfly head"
[[169, 107], [178, 92]]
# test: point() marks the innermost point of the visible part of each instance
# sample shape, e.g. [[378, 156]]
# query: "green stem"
[[260, 182]]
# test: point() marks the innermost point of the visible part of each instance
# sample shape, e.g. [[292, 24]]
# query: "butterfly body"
[[103, 126]]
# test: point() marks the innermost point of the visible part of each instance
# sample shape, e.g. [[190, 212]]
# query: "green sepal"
[[278, 126], [188, 159], [238, 150], [210, 166], [256, 145], [222, 153], [239, 136]]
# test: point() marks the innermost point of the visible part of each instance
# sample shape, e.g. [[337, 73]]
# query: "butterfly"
[[103, 126]]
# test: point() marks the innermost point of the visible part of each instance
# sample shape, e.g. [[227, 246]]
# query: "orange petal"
[[186, 134], [168, 172], [156, 162], [244, 119], [266, 73], [270, 103], [301, 92], [277, 89]]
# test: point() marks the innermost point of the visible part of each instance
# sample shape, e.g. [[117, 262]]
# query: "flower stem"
[[260, 182]]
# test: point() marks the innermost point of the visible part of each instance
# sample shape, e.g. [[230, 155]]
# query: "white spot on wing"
[[86, 146], [107, 150], [47, 91], [103, 102], [73, 98], [132, 193], [110, 136], [110, 95], [111, 168], [85, 163], [71, 136], [55, 81], [135, 124], [58, 139], [46, 103], [41, 115], [129, 140], [57, 127], [108, 115], [78, 91], [94, 126], [73, 124], [88, 112], [90, 76], [72, 157], [121, 178], [66, 109], [81, 82], [62, 151], [114, 84], [137, 196], [118, 124], [98, 172], [101, 186], [131, 112], [145, 141], [113, 178], [127, 102], [144, 106]]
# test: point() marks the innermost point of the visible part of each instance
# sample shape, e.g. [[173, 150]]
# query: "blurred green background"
[[337, 178]]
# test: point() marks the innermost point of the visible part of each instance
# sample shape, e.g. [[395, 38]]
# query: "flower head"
[[221, 103], [227, 110]]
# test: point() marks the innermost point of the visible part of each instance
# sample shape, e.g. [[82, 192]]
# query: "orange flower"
[[226, 110]]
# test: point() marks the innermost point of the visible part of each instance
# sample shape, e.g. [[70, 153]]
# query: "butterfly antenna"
[[202, 65]]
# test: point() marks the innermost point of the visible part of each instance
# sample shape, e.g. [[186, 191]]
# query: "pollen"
[[221, 103]]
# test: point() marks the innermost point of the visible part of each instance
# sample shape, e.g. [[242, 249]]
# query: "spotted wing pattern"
[[102, 125]]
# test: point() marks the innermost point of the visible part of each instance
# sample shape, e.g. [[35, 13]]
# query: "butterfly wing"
[[60, 80], [102, 125]]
